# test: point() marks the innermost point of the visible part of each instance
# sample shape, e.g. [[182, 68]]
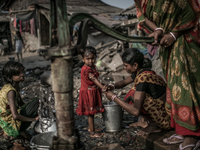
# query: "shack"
[[31, 18], [5, 36]]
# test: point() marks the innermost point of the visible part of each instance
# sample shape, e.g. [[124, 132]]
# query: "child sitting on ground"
[[15, 116]]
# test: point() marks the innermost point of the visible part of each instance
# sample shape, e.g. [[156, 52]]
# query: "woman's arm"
[[123, 83], [119, 84], [167, 40], [132, 109], [13, 108], [150, 24]]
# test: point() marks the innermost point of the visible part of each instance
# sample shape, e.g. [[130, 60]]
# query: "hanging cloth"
[[27, 26], [20, 23], [15, 23], [32, 23]]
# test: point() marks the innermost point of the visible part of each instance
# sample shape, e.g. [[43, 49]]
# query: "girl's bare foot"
[[8, 137], [149, 129], [96, 135]]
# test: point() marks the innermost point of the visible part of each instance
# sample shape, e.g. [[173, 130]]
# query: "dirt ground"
[[31, 88]]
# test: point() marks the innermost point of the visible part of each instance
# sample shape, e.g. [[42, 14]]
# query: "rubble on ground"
[[111, 70]]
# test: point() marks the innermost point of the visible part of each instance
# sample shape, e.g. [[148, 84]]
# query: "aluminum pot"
[[52, 128], [42, 141], [113, 117]]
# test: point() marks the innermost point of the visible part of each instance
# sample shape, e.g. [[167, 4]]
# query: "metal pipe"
[[62, 77]]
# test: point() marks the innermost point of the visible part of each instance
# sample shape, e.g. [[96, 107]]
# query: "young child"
[[15, 117], [90, 93], [19, 43]]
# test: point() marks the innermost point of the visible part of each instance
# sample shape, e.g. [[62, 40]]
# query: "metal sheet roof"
[[129, 11], [107, 20], [88, 9], [4, 18]]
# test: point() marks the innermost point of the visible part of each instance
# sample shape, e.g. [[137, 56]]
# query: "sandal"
[[197, 145], [187, 146], [166, 140]]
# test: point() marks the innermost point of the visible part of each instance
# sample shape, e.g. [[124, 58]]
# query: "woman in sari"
[[177, 23], [147, 97]]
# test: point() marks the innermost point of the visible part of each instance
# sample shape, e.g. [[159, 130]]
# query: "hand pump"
[[62, 76]]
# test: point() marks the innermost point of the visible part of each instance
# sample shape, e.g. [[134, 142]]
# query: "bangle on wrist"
[[172, 35], [112, 85], [113, 97], [159, 29]]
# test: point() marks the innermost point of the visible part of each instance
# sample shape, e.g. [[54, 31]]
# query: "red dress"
[[90, 101]]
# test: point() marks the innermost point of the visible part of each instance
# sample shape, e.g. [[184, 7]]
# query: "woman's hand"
[[36, 118], [156, 34], [167, 40], [108, 87], [109, 94]]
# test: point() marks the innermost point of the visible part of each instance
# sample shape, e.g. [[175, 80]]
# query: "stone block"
[[116, 63]]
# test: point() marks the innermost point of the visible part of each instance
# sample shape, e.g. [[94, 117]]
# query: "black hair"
[[18, 33], [89, 49], [132, 55], [11, 69]]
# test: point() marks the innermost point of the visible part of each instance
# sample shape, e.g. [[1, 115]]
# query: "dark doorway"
[[44, 30]]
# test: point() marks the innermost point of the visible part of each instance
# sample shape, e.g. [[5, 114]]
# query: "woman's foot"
[[141, 123], [174, 139], [8, 137], [189, 143], [25, 135], [149, 129], [96, 135]]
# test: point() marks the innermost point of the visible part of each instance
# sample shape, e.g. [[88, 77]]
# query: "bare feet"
[[141, 123], [149, 129], [8, 137], [96, 135]]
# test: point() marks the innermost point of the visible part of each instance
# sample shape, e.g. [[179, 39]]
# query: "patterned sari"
[[153, 108], [181, 61]]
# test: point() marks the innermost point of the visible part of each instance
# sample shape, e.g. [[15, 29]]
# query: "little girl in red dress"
[[90, 101]]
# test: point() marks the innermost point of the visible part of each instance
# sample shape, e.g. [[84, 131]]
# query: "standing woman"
[[176, 22]]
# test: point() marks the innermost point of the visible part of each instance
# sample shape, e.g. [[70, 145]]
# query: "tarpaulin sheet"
[[26, 16], [3, 27]]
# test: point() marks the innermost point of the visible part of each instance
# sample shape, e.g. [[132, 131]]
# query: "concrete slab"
[[116, 63], [155, 141]]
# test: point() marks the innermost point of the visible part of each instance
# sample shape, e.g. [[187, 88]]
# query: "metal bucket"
[[113, 117], [42, 141]]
